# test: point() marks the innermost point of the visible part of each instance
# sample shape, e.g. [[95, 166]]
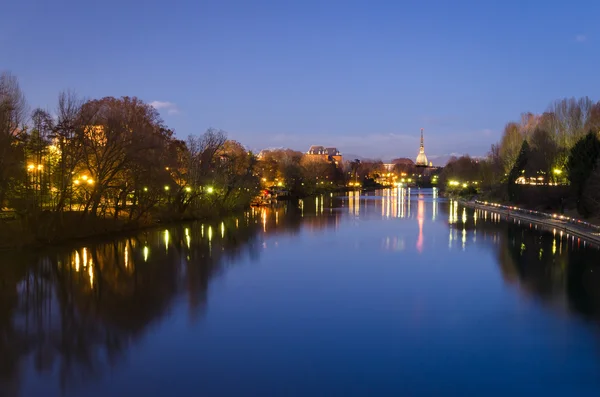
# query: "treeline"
[[111, 158], [558, 147]]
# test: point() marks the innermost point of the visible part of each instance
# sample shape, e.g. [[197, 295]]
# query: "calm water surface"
[[397, 293]]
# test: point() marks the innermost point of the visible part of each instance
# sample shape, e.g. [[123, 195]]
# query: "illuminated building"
[[421, 157], [329, 153]]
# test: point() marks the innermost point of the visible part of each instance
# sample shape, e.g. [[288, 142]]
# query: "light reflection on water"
[[386, 283]]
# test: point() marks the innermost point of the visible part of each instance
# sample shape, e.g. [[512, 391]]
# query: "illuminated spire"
[[422, 158]]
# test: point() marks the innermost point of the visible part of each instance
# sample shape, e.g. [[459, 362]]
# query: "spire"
[[422, 144]]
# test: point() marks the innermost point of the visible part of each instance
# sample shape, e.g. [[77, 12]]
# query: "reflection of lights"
[[222, 229], [264, 220], [202, 230], [166, 235], [210, 233], [126, 255], [464, 238], [91, 274], [553, 246], [85, 261], [420, 218], [76, 261], [146, 252], [464, 215]]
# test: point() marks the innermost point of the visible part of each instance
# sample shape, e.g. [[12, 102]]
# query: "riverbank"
[[19, 234], [573, 226]]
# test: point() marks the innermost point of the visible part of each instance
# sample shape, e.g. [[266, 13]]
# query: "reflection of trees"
[[77, 311], [549, 265]]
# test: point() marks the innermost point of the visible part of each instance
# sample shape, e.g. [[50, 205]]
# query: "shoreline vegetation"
[[548, 163], [99, 166]]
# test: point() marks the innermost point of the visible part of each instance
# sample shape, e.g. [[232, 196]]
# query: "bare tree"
[[510, 145], [13, 111]]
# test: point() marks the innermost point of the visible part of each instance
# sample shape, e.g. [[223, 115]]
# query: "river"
[[396, 292]]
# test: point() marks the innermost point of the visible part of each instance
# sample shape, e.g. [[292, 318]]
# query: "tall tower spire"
[[421, 158]]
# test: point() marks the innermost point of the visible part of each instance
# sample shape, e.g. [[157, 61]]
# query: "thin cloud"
[[580, 38], [169, 107]]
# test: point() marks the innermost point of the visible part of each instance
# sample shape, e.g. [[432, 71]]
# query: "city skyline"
[[361, 78]]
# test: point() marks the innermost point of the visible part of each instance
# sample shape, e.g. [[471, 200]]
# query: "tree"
[[120, 133], [543, 157], [510, 145], [13, 110], [518, 169], [582, 161]]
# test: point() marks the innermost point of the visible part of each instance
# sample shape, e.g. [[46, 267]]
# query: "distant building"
[[421, 157], [329, 153]]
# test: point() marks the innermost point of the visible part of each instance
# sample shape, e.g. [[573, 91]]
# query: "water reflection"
[[559, 269], [75, 313]]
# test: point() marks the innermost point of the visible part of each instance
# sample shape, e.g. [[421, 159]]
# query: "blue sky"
[[364, 76]]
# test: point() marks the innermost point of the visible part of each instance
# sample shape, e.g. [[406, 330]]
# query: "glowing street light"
[[210, 189], [188, 189], [167, 188], [557, 171]]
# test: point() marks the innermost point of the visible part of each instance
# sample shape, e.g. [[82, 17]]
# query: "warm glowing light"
[[145, 189], [76, 181], [557, 171], [210, 189], [222, 229], [90, 181], [146, 253], [126, 255], [39, 167], [188, 189], [167, 187], [167, 239], [91, 274], [77, 261], [30, 167], [84, 177]]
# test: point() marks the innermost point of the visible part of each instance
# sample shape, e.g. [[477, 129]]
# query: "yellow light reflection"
[[222, 229], [91, 274], [146, 252], [210, 232], [85, 261], [126, 256], [77, 261], [167, 237]]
